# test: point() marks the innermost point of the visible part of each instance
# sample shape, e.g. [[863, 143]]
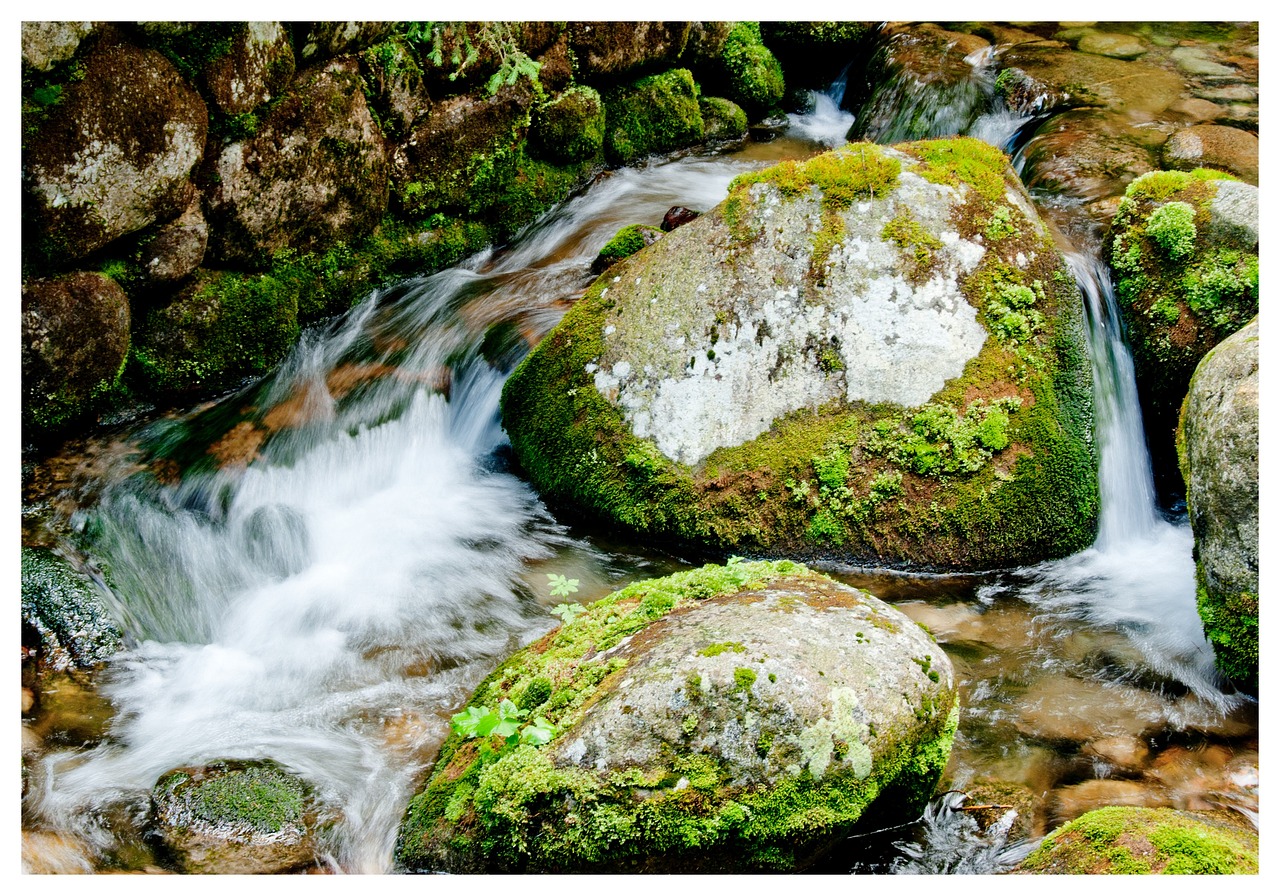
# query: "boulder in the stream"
[[237, 817], [1184, 251], [1138, 840], [1218, 453], [730, 718], [63, 611], [877, 354]]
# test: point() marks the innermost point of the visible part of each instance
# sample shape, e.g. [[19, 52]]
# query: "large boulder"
[[1218, 451], [114, 153], [1183, 249], [655, 114], [45, 44], [236, 817], [876, 354], [75, 339], [1134, 840], [315, 174], [1039, 77], [735, 718], [257, 67], [1213, 146], [613, 51]]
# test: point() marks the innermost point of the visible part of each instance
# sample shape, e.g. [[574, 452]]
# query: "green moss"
[[569, 128], [917, 244], [720, 647], [1172, 227], [626, 242], [963, 160], [743, 678], [754, 78], [1231, 625], [1123, 840], [191, 50], [722, 119], [655, 114], [261, 797]]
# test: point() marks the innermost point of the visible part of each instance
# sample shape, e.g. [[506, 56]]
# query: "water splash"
[[826, 124]]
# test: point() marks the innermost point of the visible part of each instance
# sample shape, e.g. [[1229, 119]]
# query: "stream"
[[326, 583]]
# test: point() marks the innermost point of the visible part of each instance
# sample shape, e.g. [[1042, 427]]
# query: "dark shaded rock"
[[1118, 840], [45, 44], [1218, 454], [655, 114], [461, 154], [218, 330], [236, 817], [318, 41], [176, 249], [115, 153], [1213, 146], [75, 338], [65, 609], [677, 216], [737, 718], [805, 370], [257, 68], [813, 53], [705, 44], [614, 51], [570, 127], [555, 66], [315, 174]]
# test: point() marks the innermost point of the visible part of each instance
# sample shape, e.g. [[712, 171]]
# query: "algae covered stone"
[[874, 354], [1130, 840], [730, 718]]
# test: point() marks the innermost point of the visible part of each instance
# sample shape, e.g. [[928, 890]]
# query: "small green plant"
[[1172, 227], [504, 722], [568, 612], [560, 586], [1000, 225]]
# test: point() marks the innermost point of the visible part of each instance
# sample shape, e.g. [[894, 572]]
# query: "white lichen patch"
[[708, 348], [842, 727]]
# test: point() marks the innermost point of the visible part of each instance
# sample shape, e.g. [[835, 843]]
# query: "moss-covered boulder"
[[731, 718], [75, 339], [1218, 454], [317, 41], [237, 817], [45, 44], [314, 174], [876, 354], [1130, 840], [1183, 249], [396, 92], [64, 610], [220, 329], [722, 120], [172, 252], [569, 127], [625, 243], [607, 52], [112, 151], [655, 114], [750, 74]]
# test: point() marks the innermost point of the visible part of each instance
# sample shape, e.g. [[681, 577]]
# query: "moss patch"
[[656, 114]]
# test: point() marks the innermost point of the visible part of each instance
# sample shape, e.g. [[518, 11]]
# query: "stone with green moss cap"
[[237, 817], [876, 354], [1130, 840], [730, 718]]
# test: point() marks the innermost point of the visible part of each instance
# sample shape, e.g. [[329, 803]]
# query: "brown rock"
[[115, 153], [676, 216], [317, 41], [258, 67], [75, 337], [1071, 802], [1214, 146], [1125, 753], [177, 248], [314, 175], [616, 50]]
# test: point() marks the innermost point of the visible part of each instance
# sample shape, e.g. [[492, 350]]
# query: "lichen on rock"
[[766, 375]]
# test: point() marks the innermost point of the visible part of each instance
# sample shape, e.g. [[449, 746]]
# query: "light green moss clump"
[[755, 79], [1173, 228], [569, 128], [655, 114], [1124, 840], [489, 807]]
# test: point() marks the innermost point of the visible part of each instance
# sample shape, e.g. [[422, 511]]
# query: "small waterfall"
[[826, 124]]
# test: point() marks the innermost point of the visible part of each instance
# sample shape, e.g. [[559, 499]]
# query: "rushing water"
[[330, 603]]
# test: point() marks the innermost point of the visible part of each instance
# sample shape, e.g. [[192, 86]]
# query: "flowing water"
[[326, 583]]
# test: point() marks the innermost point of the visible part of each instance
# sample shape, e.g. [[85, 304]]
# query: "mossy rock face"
[[610, 51], [220, 329], [722, 120], [753, 76], [234, 817], [313, 175], [1124, 840], [75, 339], [874, 355], [65, 609], [112, 153], [258, 67], [656, 114], [1183, 248], [1218, 454], [731, 718]]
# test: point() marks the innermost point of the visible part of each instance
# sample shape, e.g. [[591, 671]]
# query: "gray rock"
[[1197, 61], [1219, 458], [115, 154], [1117, 46], [75, 338], [1233, 214], [76, 629], [314, 175], [45, 44]]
